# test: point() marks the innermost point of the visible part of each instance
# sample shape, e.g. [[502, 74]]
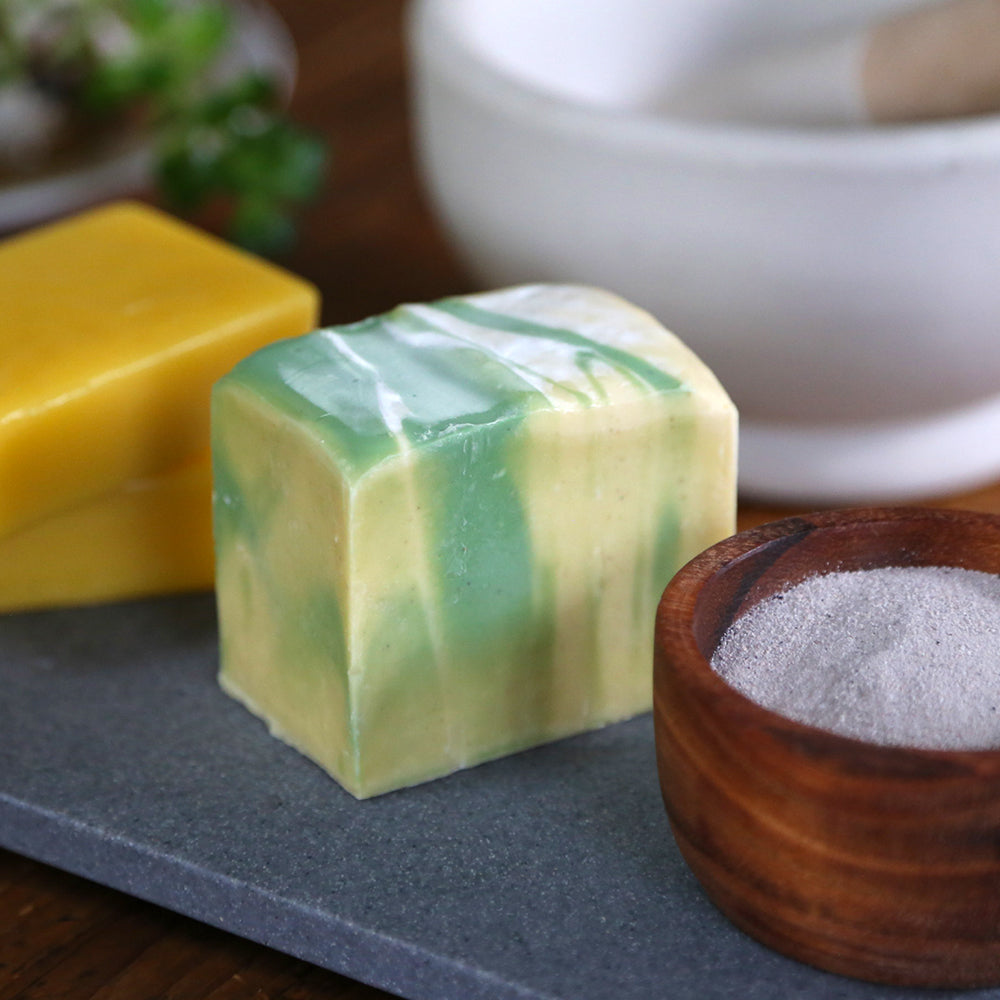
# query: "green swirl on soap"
[[627, 364], [361, 385]]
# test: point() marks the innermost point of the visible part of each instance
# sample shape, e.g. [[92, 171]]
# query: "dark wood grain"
[[63, 937], [369, 243], [871, 861]]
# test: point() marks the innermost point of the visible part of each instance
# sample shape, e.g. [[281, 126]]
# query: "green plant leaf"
[[227, 139]]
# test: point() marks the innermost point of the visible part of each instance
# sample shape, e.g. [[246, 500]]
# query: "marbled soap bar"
[[441, 534]]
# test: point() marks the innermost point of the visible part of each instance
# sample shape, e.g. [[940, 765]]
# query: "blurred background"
[[369, 240], [366, 238]]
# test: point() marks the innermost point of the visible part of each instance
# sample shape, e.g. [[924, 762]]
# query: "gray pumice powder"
[[901, 656]]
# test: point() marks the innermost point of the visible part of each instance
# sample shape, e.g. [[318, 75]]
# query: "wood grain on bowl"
[[871, 861]]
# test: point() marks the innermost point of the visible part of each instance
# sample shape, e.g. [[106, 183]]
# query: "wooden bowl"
[[877, 862]]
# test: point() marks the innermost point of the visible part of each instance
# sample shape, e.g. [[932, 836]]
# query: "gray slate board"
[[550, 874]]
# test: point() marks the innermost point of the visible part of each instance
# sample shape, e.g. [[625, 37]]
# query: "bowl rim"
[[678, 606], [437, 44]]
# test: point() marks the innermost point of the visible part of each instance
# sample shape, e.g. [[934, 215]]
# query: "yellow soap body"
[[116, 323], [151, 536]]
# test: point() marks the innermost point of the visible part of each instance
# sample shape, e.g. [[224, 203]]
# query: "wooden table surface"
[[370, 243]]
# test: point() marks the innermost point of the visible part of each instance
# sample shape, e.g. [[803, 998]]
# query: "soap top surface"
[[423, 372], [92, 296]]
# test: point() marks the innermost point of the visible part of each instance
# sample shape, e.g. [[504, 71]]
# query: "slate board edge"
[[275, 922]]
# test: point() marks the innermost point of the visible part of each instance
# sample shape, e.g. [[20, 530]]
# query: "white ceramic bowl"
[[843, 283]]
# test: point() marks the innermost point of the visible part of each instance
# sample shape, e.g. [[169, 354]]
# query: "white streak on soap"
[[540, 363], [390, 404]]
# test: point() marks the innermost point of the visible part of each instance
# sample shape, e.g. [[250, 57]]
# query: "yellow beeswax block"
[[150, 536], [116, 322]]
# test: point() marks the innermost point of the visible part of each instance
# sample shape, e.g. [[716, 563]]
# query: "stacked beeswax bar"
[[115, 325]]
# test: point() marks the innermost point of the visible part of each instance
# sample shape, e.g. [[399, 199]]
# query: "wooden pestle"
[[938, 60]]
